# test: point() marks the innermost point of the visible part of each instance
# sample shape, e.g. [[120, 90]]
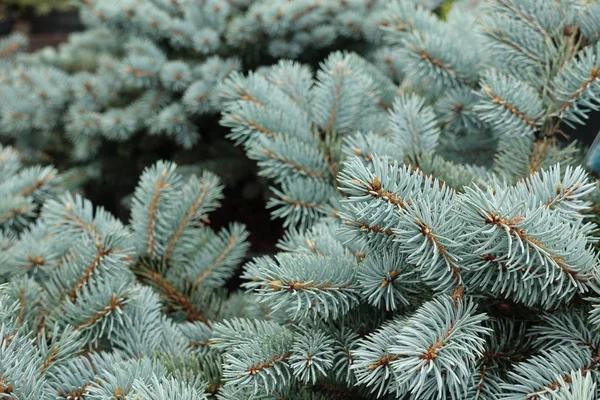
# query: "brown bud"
[[376, 183], [458, 293]]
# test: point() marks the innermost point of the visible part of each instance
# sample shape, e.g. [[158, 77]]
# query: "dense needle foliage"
[[441, 236]]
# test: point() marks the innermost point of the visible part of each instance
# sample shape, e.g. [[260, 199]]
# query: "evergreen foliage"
[[440, 240], [381, 180], [93, 308], [152, 66]]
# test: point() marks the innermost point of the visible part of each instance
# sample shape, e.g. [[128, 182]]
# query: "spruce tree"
[[94, 308], [151, 66], [440, 240]]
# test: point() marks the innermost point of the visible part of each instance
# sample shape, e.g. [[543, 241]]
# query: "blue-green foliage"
[[152, 66], [479, 120], [86, 299], [453, 205], [439, 241], [302, 152]]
